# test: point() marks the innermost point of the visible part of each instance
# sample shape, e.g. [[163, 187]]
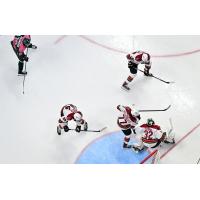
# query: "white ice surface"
[[89, 76]]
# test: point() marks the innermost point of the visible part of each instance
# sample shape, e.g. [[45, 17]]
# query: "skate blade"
[[125, 89]]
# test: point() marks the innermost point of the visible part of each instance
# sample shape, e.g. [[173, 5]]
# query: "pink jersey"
[[18, 43]]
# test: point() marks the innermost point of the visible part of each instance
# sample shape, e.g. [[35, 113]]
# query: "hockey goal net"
[[152, 158]]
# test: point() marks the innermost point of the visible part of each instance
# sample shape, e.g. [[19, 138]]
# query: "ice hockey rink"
[[88, 71]]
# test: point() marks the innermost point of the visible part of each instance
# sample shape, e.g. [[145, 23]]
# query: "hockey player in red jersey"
[[151, 136], [134, 59], [68, 113], [127, 121]]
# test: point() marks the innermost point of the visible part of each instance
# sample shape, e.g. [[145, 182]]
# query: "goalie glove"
[[170, 137]]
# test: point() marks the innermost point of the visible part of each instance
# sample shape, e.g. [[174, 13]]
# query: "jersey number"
[[148, 134]]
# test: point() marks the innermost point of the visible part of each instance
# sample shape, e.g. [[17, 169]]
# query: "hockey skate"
[[58, 130], [127, 146], [125, 86], [136, 149], [24, 73]]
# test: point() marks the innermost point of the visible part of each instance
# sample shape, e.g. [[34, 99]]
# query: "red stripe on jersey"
[[153, 126], [150, 141]]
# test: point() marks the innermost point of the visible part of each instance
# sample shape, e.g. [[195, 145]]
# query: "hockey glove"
[[34, 47], [146, 72], [25, 58], [78, 129], [66, 128]]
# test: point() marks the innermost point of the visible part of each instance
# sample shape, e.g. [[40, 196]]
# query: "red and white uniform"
[[151, 136], [127, 119], [138, 57], [70, 117], [68, 109]]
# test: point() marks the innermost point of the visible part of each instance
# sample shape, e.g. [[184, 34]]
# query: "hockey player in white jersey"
[[127, 120], [151, 136], [68, 113], [134, 59]]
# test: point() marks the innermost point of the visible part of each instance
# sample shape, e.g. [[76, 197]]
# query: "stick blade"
[[103, 129], [167, 107]]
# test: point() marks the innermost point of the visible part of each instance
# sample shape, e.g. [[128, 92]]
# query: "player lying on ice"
[[134, 59], [19, 44], [68, 113]]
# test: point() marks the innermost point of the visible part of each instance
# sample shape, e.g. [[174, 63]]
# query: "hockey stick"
[[25, 71], [158, 110], [171, 126], [100, 130], [151, 75]]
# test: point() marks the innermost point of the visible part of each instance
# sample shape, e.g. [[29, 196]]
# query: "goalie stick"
[[169, 133], [171, 126], [156, 110], [151, 75]]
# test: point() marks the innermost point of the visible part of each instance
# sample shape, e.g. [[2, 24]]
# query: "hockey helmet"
[[150, 122], [77, 116], [145, 57], [27, 41]]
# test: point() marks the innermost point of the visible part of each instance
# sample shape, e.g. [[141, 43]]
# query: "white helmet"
[[74, 109], [145, 57], [77, 116]]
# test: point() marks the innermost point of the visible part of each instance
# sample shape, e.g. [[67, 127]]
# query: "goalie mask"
[[150, 122]]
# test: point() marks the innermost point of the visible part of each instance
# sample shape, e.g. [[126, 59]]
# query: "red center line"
[[59, 39], [179, 141], [124, 52]]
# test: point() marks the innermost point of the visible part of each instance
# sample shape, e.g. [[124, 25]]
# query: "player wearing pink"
[[68, 113], [134, 59], [19, 44], [127, 121], [151, 136]]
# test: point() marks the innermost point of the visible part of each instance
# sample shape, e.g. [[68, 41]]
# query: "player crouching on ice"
[[151, 136], [128, 119], [134, 59], [19, 44], [68, 113]]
